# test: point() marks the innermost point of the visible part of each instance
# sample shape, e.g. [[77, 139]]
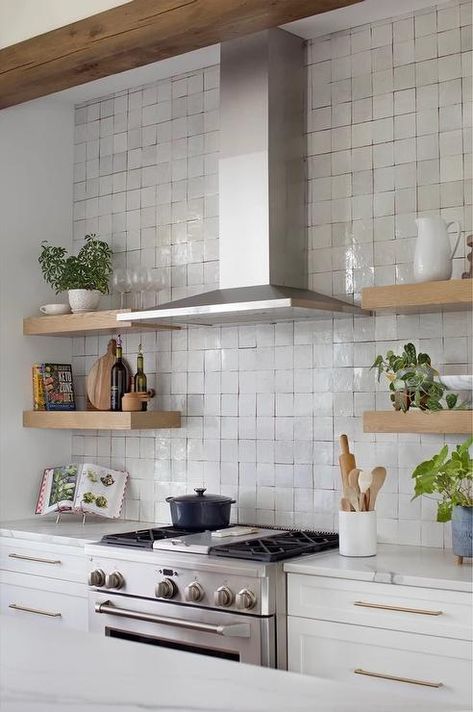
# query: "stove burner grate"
[[143, 538], [278, 547]]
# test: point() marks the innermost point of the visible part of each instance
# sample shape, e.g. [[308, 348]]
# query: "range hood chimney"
[[262, 236]]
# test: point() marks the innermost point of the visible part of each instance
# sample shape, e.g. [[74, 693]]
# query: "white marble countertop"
[[73, 670], [69, 530], [404, 565]]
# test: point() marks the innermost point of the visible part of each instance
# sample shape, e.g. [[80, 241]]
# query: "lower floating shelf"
[[417, 421], [101, 420]]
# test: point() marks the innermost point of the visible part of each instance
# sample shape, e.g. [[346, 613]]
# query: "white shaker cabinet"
[[43, 581], [382, 637]]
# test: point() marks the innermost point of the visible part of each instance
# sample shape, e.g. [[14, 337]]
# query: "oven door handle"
[[236, 630]]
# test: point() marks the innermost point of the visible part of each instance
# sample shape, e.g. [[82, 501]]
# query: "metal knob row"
[[98, 579]]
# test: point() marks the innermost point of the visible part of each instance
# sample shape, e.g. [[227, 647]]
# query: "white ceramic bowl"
[[457, 383]]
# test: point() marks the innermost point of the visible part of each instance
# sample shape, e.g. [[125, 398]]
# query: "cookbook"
[[53, 387], [82, 488]]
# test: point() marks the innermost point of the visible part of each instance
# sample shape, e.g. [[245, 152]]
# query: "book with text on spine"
[[58, 386]]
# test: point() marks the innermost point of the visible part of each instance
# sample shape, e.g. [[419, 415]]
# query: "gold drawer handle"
[[38, 611], [410, 681], [419, 611], [34, 558]]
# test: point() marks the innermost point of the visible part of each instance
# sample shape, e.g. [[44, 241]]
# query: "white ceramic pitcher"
[[433, 254]]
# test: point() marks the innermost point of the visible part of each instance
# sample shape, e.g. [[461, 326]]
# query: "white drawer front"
[[417, 610], [38, 559], [53, 608], [335, 651]]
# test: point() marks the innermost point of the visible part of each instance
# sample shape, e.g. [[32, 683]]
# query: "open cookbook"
[[82, 488]]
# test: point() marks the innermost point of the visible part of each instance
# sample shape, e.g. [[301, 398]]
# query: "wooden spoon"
[[365, 479], [345, 505], [352, 496], [379, 475]]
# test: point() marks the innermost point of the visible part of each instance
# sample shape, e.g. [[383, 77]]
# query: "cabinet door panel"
[[366, 657], [41, 604], [408, 608], [38, 559]]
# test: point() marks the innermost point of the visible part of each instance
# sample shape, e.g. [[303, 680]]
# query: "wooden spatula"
[[347, 462], [379, 475], [99, 378]]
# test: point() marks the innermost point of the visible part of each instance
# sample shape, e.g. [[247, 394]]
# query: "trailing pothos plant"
[[89, 269], [412, 381], [451, 477]]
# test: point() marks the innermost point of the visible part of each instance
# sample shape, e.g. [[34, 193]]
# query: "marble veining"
[[96, 673], [402, 565]]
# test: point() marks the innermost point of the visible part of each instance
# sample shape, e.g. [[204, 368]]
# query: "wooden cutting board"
[[99, 378]]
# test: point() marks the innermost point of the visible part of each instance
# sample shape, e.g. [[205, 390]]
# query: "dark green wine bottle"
[[140, 380], [119, 379]]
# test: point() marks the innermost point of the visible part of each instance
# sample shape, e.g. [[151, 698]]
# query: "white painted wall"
[[21, 19], [36, 149]]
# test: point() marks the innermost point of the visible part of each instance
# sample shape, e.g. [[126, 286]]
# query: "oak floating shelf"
[[98, 322], [416, 421], [449, 295], [101, 420]]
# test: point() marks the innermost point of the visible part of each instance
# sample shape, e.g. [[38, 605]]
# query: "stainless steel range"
[[221, 594]]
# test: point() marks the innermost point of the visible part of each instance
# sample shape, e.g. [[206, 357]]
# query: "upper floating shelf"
[[98, 322], [418, 421], [101, 420], [449, 295]]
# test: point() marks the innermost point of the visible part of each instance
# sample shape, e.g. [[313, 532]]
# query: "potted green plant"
[[412, 380], [451, 477], [84, 276]]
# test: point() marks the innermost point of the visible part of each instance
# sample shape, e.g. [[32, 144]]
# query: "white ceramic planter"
[[357, 532], [83, 300]]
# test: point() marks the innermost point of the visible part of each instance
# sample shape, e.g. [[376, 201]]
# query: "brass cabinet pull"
[[23, 557], [420, 611], [38, 611], [410, 681]]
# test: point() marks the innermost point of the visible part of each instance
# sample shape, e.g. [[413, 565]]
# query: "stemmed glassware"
[[121, 283]]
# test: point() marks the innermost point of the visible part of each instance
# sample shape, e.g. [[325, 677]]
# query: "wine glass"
[[121, 283], [140, 280]]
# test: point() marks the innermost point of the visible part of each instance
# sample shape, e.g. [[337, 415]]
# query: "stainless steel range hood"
[[262, 236]]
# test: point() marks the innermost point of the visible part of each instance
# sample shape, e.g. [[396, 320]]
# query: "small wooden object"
[[99, 378], [379, 475], [132, 402], [347, 461], [469, 273]]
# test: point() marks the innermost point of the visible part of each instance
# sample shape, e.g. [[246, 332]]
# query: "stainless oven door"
[[221, 634]]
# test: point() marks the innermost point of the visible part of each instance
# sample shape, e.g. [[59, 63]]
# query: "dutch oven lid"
[[200, 497]]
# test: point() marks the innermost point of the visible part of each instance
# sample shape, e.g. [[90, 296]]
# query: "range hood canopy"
[[262, 235]]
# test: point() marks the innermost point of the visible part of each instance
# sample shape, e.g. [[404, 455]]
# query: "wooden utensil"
[[353, 484], [365, 479], [99, 378], [379, 475], [345, 505], [352, 497], [346, 460]]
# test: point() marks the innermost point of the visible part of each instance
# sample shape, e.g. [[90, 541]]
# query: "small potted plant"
[[451, 478], [412, 380], [84, 276]]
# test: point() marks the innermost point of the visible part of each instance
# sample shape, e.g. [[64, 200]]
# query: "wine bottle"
[[119, 379], [140, 381]]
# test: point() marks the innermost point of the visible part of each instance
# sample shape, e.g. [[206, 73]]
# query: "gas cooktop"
[[266, 544]]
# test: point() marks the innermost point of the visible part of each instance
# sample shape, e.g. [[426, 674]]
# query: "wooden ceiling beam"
[[135, 34]]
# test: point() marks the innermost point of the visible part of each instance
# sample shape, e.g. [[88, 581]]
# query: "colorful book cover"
[[82, 488], [39, 402], [58, 386]]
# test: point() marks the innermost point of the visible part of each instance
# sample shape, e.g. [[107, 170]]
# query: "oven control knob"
[[166, 588], [194, 592], [114, 580], [245, 599], [97, 578], [223, 597]]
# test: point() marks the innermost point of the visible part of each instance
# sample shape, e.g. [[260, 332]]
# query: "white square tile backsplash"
[[388, 136]]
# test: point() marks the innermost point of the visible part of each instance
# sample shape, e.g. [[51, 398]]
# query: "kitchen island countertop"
[[77, 671], [396, 564]]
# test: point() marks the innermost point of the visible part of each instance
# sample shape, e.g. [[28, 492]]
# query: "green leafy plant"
[[411, 380], [89, 269], [451, 477]]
